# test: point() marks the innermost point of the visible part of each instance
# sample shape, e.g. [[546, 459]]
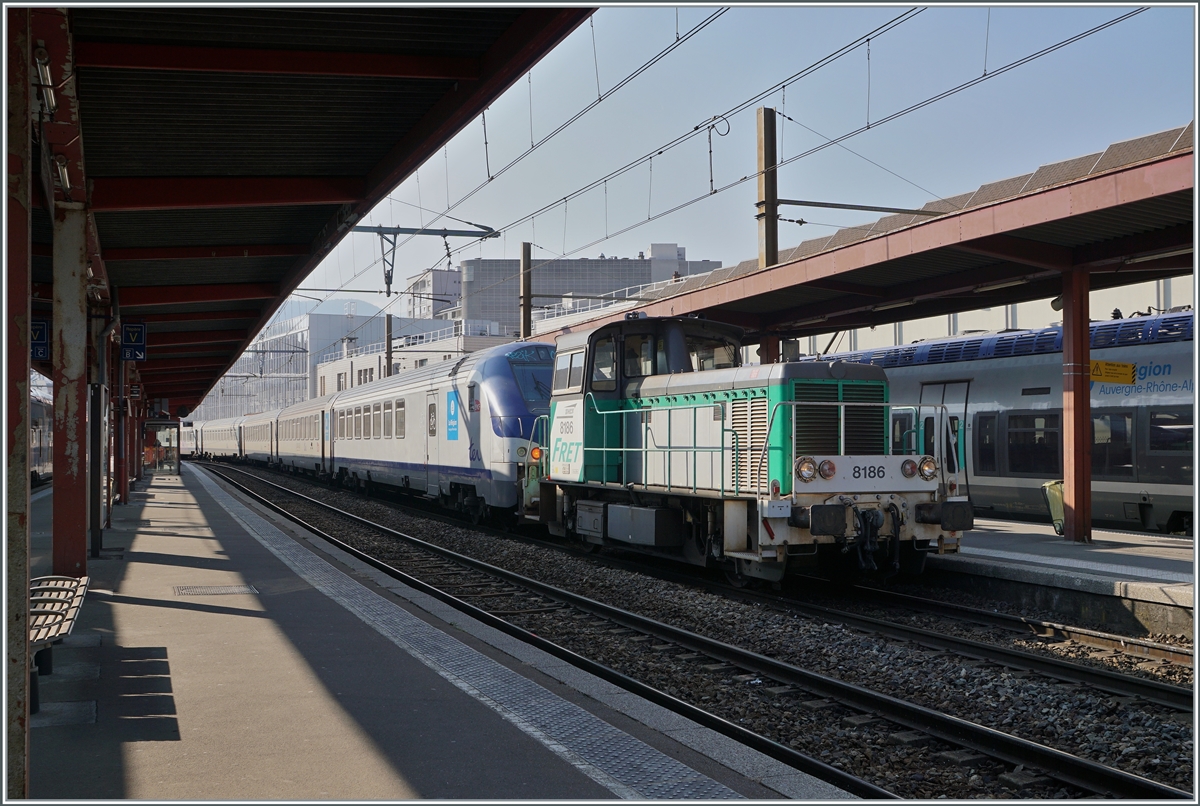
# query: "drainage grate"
[[212, 590]]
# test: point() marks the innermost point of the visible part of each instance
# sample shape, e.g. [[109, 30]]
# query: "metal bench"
[[54, 603]]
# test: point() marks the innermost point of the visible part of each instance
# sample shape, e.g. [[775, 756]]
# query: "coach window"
[[1171, 430], [399, 419], [377, 420], [358, 422], [985, 450], [604, 365], [366, 422], [1112, 443], [341, 429], [387, 419], [1033, 442]]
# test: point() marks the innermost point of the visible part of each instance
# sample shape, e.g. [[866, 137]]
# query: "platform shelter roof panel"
[[1138, 149], [268, 131]]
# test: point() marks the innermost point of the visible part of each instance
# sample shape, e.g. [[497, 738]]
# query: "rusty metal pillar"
[[526, 290], [1077, 414], [768, 350], [768, 190], [18, 285], [69, 354]]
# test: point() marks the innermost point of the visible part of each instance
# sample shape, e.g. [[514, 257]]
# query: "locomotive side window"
[[604, 365], [639, 356], [387, 419], [985, 449], [1171, 430], [568, 371], [1112, 443], [399, 419], [376, 418], [707, 353], [1033, 443]]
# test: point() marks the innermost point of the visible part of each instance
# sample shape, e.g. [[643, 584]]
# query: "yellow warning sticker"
[[1112, 372]]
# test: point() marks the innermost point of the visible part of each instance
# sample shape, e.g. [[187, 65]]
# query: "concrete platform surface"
[[225, 655]]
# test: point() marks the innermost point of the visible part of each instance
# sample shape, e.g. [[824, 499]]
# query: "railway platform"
[[1124, 580], [222, 653]]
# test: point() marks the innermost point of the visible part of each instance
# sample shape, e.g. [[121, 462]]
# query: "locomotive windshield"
[[533, 367]]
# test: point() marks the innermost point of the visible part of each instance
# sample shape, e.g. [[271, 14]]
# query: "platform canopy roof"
[[223, 151], [1125, 215]]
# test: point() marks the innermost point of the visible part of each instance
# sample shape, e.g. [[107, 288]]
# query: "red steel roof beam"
[[205, 252], [166, 364], [279, 62], [124, 194], [135, 296], [188, 316], [188, 337]]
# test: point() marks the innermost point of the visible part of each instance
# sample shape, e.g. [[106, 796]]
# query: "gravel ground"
[[1143, 739]]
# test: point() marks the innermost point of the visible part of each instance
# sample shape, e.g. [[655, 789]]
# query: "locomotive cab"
[[658, 439]]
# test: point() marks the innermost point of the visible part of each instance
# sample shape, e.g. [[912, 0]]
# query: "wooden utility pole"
[[526, 291], [768, 190]]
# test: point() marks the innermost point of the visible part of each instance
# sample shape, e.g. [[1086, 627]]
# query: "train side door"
[[432, 485], [952, 395]]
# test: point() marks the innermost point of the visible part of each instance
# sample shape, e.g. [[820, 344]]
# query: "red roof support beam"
[[187, 337], [124, 194], [153, 367], [1020, 250], [188, 316], [125, 56], [136, 296], [205, 252]]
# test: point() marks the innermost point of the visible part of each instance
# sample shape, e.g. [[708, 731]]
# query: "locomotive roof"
[[646, 324]]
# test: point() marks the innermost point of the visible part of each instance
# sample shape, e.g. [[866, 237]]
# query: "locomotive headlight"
[[827, 469], [806, 468], [928, 467], [535, 454], [909, 468], [521, 451]]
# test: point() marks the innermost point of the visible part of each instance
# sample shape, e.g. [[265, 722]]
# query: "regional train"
[[1004, 394], [645, 434], [457, 431], [41, 439]]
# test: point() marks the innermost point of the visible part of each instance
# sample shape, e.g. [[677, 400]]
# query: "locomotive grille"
[[816, 427], [749, 421]]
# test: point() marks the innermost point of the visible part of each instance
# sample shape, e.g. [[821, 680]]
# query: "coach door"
[[431, 444], [952, 395]]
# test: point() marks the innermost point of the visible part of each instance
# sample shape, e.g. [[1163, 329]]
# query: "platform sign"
[[39, 339], [1112, 372], [135, 391], [133, 342]]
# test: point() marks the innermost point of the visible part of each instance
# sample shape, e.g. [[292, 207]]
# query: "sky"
[[1134, 78]]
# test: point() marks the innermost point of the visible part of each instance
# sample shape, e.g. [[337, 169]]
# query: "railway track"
[[515, 603]]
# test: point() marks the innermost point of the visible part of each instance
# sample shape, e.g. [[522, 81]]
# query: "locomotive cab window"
[[604, 365], [639, 355], [710, 353], [568, 371]]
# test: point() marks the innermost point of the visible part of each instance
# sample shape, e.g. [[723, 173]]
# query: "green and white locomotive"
[[659, 440]]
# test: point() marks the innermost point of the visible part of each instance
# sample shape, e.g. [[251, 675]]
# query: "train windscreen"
[[533, 367]]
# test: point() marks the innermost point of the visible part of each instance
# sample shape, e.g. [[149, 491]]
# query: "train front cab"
[[676, 449]]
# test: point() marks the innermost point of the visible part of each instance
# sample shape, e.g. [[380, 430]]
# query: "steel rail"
[[780, 752], [1046, 629], [1088, 775]]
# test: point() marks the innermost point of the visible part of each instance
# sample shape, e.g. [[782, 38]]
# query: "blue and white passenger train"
[[455, 431], [1003, 391]]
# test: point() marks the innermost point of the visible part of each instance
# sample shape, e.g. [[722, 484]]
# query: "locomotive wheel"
[[737, 580], [479, 513]]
